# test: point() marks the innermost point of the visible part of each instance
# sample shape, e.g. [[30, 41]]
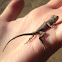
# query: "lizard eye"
[[55, 18]]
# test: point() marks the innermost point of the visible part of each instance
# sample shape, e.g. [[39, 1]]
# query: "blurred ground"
[[29, 5]]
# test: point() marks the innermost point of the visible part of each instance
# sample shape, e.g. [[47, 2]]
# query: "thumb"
[[13, 10]]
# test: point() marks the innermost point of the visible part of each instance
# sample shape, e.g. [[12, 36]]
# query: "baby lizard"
[[40, 30]]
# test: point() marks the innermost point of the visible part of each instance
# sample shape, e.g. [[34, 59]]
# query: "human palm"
[[33, 51]]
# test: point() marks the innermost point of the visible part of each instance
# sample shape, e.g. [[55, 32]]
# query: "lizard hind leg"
[[43, 33], [42, 39], [29, 39]]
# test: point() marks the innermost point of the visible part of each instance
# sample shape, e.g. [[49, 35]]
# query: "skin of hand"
[[16, 50]]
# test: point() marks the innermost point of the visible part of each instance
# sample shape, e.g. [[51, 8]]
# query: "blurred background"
[[29, 5]]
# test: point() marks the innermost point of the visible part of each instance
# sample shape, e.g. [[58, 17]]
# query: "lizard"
[[40, 30]]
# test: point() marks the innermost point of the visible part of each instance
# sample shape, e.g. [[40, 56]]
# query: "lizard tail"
[[19, 36]]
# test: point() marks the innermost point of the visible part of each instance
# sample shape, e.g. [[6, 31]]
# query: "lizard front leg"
[[51, 25]]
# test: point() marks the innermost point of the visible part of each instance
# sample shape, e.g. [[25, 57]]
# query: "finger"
[[60, 8], [54, 4], [13, 10]]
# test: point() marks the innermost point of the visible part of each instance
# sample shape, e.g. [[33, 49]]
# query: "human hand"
[[33, 51]]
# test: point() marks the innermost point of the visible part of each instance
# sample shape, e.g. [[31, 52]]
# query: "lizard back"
[[45, 25]]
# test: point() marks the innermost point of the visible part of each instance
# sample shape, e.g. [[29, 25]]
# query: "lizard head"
[[53, 19]]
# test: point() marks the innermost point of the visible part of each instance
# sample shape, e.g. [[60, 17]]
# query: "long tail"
[[17, 37]]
